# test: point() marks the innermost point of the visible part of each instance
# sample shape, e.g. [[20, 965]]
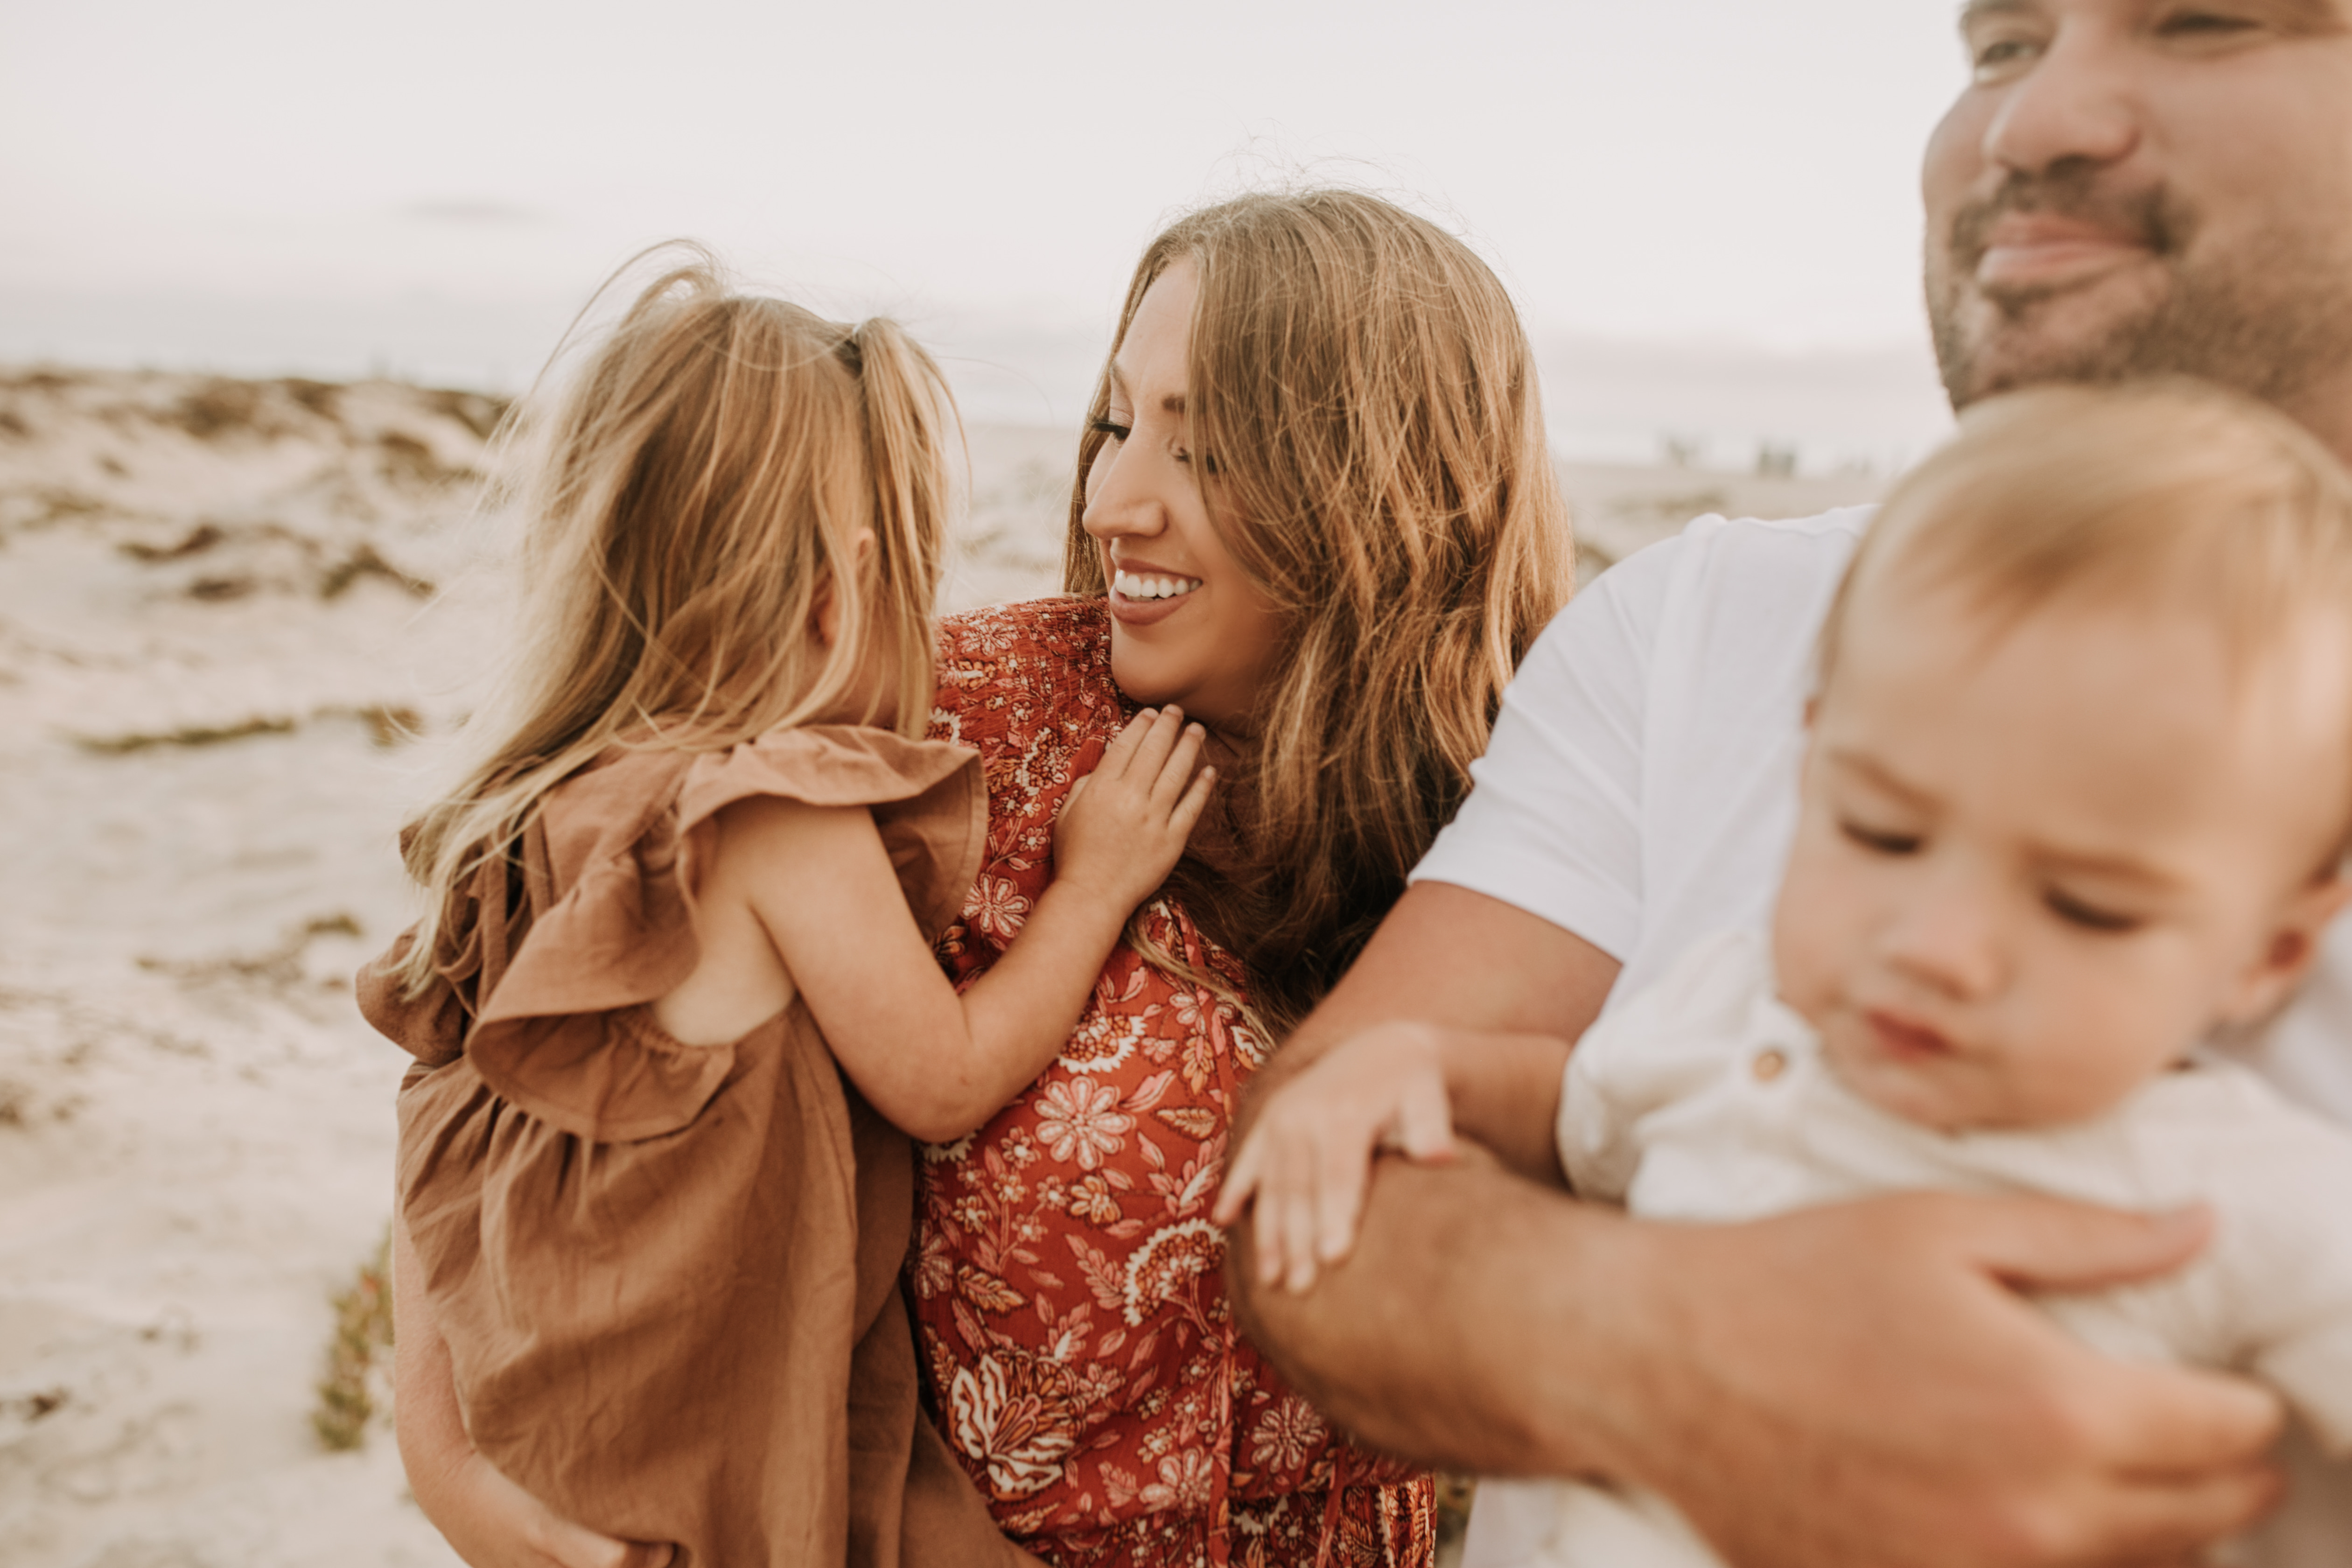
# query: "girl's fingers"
[[1151, 747], [1119, 755], [1176, 772], [1187, 812]]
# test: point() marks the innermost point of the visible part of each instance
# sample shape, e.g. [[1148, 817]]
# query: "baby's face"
[[2034, 865]]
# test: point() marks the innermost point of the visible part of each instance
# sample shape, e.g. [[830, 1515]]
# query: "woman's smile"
[[1142, 595], [1188, 624]]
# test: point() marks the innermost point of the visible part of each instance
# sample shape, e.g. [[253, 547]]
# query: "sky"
[[430, 189]]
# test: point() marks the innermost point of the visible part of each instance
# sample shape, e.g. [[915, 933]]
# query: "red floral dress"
[[1068, 1290]]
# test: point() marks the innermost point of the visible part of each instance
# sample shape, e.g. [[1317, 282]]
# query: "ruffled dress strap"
[[667, 1273], [598, 917]]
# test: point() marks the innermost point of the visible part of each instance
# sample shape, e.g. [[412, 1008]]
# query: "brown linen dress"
[[668, 1274]]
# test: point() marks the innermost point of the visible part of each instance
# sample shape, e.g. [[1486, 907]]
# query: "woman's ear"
[[2293, 948]]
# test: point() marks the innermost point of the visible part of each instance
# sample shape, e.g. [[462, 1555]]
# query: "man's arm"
[[1851, 1388]]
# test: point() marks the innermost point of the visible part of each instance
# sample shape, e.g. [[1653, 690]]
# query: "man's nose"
[[2077, 103]]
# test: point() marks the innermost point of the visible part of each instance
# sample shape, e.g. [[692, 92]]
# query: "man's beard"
[[2271, 324]]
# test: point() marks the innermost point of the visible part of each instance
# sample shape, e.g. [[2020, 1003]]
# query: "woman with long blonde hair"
[[1314, 508], [1315, 505]]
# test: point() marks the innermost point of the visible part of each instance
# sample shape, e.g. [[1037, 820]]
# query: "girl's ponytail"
[[909, 415], [693, 489]]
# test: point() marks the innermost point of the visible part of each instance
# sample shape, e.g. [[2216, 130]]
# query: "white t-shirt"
[[1641, 790]]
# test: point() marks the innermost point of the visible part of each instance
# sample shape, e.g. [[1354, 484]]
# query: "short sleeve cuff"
[[1466, 856]]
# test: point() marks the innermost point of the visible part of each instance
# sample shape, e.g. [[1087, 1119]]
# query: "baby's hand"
[[1309, 1154], [1124, 825]]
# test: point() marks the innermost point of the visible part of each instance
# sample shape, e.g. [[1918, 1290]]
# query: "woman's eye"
[[1879, 840], [1112, 428], [2089, 917]]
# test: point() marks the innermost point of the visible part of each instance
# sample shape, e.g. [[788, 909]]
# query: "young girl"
[[673, 1000], [2077, 800]]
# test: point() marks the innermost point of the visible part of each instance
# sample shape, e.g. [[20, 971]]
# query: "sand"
[[236, 621]]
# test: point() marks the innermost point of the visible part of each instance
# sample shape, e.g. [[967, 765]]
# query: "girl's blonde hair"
[[704, 482], [2165, 490], [1366, 399]]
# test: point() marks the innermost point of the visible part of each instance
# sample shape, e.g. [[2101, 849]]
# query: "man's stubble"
[[2274, 319]]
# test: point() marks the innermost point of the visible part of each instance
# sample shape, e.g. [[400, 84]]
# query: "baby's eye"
[[2089, 917], [1112, 428], [1880, 840]]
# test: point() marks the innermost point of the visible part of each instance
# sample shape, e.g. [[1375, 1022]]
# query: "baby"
[[2077, 790]]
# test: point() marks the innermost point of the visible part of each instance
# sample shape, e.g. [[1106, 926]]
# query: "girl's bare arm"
[[936, 1063]]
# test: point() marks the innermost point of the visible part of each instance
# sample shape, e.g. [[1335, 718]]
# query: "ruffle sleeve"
[[598, 917], [666, 1274]]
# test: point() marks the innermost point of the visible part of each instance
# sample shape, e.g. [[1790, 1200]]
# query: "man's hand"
[[1860, 1385], [1851, 1388], [1848, 1387]]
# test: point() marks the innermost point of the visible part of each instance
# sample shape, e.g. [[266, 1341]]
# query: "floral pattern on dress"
[[1066, 1281]]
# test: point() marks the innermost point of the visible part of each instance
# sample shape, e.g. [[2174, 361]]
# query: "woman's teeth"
[[1131, 586]]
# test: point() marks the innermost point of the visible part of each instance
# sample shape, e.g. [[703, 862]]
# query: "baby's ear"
[[2293, 947]]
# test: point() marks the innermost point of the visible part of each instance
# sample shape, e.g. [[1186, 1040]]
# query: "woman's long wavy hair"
[[1362, 386], [690, 495]]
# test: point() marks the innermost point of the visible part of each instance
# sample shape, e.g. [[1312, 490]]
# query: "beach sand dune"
[[239, 621]]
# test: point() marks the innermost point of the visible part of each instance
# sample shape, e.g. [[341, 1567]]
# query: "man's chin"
[[2093, 333]]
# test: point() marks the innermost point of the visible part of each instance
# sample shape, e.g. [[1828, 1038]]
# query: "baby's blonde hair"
[[2171, 490], [689, 499]]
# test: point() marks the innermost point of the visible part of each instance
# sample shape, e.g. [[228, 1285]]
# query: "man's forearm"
[[1466, 1329]]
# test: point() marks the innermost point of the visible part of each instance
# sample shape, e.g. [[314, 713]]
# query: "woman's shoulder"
[[1000, 666]]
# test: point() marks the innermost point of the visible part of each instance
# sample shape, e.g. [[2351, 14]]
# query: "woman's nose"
[[1119, 504]]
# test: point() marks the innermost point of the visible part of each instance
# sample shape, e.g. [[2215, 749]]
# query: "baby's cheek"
[[1819, 923], [2092, 1043]]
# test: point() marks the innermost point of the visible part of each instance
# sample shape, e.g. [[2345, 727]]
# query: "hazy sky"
[[233, 178]]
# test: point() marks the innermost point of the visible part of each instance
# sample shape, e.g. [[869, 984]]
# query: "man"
[[2124, 188]]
